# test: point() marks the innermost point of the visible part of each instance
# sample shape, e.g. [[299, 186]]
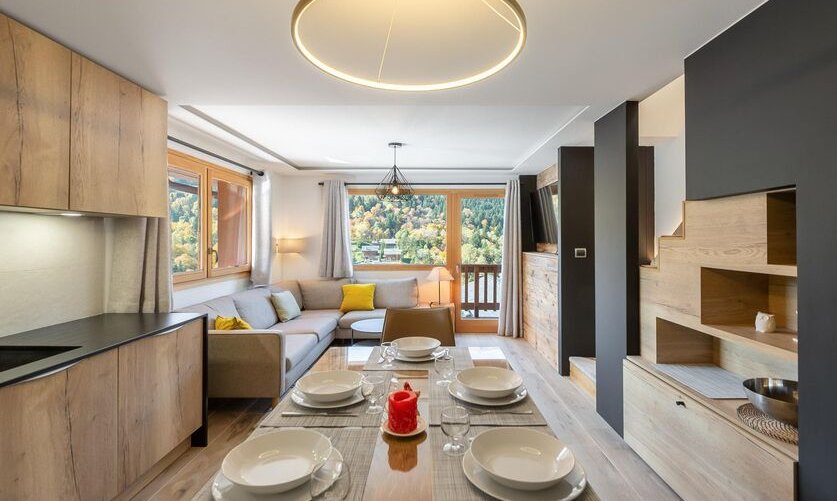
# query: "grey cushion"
[[322, 294], [394, 292], [255, 307], [317, 324], [355, 316], [297, 348], [291, 286], [223, 306], [285, 305]]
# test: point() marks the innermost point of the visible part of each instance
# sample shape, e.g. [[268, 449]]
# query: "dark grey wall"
[[761, 112], [576, 293], [617, 254]]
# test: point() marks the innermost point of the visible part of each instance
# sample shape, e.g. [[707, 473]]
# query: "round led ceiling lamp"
[[409, 45]]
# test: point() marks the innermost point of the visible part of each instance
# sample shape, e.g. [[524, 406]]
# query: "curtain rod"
[[428, 184], [219, 157]]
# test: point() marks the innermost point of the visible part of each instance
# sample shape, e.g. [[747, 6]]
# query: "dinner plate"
[[459, 392], [299, 399], [224, 490], [428, 358], [570, 487], [422, 425]]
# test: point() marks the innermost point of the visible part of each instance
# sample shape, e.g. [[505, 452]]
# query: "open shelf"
[[781, 227], [782, 339]]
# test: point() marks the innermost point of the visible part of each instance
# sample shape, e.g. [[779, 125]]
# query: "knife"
[[297, 414]]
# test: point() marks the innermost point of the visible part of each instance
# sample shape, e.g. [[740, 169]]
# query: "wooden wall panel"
[[540, 304], [34, 118]]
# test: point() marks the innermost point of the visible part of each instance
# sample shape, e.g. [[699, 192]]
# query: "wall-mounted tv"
[[545, 213]]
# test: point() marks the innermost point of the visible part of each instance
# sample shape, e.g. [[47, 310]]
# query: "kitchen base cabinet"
[[58, 433], [695, 450], [160, 397]]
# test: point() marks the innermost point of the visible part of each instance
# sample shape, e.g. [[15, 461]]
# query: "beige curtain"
[[262, 232], [140, 266], [509, 323], [336, 251]]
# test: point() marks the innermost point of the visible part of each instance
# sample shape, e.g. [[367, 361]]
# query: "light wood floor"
[[612, 467]]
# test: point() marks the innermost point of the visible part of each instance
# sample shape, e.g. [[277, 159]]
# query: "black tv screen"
[[545, 213]]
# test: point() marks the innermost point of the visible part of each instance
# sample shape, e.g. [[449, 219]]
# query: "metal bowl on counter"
[[778, 398]]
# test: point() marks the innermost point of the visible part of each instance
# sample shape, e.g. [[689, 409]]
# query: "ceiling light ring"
[[512, 5]]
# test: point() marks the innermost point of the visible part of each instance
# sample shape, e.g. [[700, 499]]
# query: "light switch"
[[580, 252]]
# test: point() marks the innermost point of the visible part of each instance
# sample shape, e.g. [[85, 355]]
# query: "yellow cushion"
[[358, 297], [231, 324]]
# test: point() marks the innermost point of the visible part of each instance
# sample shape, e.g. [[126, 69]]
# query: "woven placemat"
[[461, 360], [766, 425], [483, 415]]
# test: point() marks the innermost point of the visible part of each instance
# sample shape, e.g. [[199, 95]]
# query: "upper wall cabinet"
[[118, 144], [34, 118]]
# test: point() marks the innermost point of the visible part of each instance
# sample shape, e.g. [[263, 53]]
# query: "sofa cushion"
[[358, 297], [354, 316], [223, 306], [285, 305], [297, 348], [291, 286], [394, 292], [319, 325], [255, 307], [322, 294]]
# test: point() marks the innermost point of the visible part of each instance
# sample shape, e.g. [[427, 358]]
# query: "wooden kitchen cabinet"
[[34, 118], [59, 432], [160, 397], [117, 144]]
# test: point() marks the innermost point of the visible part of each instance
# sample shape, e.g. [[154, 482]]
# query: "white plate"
[[521, 458], [458, 391], [428, 358], [329, 386], [417, 346], [422, 425], [489, 382], [276, 462], [224, 490], [570, 487], [299, 399]]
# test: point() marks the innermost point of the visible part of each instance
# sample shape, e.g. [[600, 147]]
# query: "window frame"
[[207, 172]]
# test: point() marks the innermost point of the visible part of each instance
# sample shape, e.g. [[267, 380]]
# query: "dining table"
[[383, 467]]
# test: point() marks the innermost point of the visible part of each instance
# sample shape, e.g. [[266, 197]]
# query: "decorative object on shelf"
[[394, 184], [762, 423], [409, 46], [289, 245], [778, 398], [439, 274], [765, 322]]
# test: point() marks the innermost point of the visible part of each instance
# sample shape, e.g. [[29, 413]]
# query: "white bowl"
[[489, 382], [276, 462], [329, 386], [417, 346], [521, 458]]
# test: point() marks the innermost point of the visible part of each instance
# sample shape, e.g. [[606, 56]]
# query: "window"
[[410, 231], [210, 219]]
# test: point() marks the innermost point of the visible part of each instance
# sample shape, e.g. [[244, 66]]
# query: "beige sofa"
[[266, 361]]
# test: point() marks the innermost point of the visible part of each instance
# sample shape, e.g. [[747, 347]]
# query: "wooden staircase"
[[583, 373]]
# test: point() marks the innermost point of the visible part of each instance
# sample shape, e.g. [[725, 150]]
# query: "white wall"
[[51, 269], [662, 124]]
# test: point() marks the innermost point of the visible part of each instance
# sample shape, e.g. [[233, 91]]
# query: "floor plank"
[[615, 470]]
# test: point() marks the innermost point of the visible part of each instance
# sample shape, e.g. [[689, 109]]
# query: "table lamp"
[[439, 274]]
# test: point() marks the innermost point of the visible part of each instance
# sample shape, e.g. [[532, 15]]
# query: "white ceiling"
[[235, 61]]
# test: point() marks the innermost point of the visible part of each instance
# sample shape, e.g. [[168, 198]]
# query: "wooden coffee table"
[[368, 326]]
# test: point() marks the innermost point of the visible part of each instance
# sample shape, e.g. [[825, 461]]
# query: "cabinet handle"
[[48, 373], [165, 332], [680, 403]]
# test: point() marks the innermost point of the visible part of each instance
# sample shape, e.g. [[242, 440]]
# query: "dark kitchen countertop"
[[92, 335]]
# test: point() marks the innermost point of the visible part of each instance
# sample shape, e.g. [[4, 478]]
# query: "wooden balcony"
[[480, 289]]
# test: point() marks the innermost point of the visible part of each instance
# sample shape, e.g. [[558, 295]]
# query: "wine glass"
[[444, 368], [389, 350], [455, 424], [331, 479], [376, 387]]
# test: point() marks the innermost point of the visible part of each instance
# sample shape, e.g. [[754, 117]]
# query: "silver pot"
[[778, 398]]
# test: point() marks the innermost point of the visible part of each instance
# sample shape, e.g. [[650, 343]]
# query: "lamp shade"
[[440, 274], [289, 245]]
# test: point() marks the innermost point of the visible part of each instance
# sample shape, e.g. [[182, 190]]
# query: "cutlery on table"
[[480, 412], [336, 414]]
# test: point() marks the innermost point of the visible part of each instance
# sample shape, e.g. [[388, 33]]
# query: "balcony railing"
[[480, 290]]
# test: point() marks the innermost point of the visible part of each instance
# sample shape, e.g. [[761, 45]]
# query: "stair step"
[[583, 373]]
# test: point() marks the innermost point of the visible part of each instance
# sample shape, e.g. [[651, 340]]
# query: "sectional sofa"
[[266, 361]]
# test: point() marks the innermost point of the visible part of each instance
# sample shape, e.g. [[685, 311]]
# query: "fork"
[[337, 414], [481, 412]]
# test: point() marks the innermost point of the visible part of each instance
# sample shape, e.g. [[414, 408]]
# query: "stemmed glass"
[[376, 387], [455, 424], [444, 365], [330, 480], [389, 350]]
